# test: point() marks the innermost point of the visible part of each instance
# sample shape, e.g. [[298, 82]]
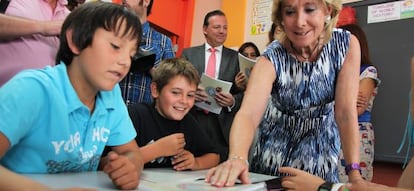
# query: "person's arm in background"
[[366, 88], [12, 27], [345, 112]]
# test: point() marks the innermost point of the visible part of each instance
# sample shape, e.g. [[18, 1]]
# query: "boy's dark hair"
[[170, 68], [210, 14], [87, 18]]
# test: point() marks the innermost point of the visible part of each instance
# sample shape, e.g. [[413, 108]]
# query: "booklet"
[[246, 64], [194, 180], [143, 61], [212, 86]]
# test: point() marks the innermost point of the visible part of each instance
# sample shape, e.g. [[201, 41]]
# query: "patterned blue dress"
[[298, 128]]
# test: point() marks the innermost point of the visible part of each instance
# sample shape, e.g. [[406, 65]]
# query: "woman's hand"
[[228, 172]]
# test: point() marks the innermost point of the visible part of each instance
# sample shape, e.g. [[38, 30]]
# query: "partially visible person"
[[59, 119], [12, 27], [310, 74], [72, 4], [135, 86], [34, 50], [168, 135], [368, 89], [249, 50], [300, 180], [223, 65]]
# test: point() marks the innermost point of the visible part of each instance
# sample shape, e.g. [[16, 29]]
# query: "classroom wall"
[[260, 40], [201, 7]]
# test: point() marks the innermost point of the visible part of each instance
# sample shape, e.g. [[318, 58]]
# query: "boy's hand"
[[299, 179], [172, 144], [121, 170], [184, 161]]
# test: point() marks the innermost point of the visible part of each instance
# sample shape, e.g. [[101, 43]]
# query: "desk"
[[151, 180]]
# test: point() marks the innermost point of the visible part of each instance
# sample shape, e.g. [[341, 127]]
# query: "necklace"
[[296, 52]]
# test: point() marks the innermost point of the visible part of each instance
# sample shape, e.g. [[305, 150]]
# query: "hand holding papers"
[[211, 87], [246, 64]]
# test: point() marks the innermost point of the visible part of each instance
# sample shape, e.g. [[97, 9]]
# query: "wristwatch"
[[351, 167], [326, 186]]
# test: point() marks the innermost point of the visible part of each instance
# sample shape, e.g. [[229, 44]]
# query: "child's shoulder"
[[139, 107]]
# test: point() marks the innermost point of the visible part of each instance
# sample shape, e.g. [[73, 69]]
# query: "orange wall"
[[235, 11], [175, 16]]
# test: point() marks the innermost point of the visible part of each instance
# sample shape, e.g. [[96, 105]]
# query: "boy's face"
[[175, 99], [106, 61]]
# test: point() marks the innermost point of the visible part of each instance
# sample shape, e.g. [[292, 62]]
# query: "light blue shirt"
[[51, 131]]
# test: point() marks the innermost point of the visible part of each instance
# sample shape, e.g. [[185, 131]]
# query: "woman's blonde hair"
[[335, 5]]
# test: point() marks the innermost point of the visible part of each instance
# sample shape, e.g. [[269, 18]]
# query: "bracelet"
[[235, 157], [337, 186], [351, 167]]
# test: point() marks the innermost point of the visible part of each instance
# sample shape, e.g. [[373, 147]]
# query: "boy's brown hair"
[[170, 68]]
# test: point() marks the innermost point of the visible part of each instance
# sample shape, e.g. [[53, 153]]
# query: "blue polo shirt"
[[51, 131]]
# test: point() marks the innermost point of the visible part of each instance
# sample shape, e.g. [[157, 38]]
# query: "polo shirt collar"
[[104, 99]]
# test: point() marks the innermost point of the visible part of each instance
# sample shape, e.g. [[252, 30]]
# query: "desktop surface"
[[151, 180]]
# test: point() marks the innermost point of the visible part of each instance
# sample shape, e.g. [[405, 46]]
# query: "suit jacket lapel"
[[224, 63]]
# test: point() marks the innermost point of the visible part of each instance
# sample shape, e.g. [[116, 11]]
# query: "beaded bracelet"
[[235, 157]]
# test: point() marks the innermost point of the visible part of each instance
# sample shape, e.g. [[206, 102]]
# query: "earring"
[[282, 23], [327, 19]]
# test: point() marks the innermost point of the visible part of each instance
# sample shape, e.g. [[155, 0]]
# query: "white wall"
[[202, 7]]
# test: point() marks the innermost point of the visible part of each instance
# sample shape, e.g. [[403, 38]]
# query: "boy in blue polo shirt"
[[59, 119]]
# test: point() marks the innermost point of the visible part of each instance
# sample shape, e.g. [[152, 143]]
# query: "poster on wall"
[[261, 17], [390, 11]]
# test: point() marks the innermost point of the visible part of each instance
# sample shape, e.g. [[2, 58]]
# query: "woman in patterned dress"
[[368, 88], [311, 74]]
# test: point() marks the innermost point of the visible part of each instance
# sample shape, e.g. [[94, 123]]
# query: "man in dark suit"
[[226, 68]]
